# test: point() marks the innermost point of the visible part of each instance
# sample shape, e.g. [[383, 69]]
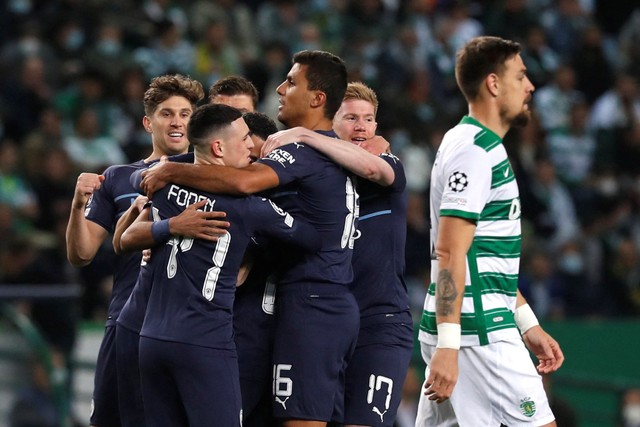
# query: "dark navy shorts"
[[256, 403], [185, 384], [129, 392], [253, 326], [316, 332], [104, 404], [376, 373]]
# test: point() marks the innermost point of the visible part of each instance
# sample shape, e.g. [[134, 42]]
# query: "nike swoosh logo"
[[506, 172]]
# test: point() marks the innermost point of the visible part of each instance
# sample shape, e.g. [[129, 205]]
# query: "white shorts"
[[497, 384]]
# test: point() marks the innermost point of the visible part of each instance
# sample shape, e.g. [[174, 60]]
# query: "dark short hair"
[[260, 124], [480, 57], [325, 72], [234, 85], [164, 87], [208, 120]]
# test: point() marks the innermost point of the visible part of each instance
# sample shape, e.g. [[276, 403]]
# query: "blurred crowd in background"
[[73, 73]]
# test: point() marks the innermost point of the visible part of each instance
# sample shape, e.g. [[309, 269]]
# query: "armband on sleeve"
[[160, 231]]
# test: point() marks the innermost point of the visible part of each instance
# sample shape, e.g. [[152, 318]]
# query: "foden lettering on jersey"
[[185, 198]]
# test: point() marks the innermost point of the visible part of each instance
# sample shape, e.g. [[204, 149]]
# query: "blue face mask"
[[20, 7], [571, 263], [74, 40], [109, 47]]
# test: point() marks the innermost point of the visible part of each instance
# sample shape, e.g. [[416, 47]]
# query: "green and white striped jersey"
[[473, 179]]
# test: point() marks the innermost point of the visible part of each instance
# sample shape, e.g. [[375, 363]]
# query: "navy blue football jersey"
[[105, 207], [314, 188], [194, 285], [378, 254], [132, 314]]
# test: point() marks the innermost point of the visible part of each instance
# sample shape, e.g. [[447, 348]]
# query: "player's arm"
[[144, 233], [455, 236], [305, 236], [212, 178], [273, 222], [538, 341], [83, 237], [349, 156], [126, 220]]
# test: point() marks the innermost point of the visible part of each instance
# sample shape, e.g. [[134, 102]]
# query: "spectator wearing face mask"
[[630, 414]]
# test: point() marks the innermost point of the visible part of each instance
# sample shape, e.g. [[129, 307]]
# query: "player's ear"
[[319, 99], [146, 123], [492, 83], [216, 148]]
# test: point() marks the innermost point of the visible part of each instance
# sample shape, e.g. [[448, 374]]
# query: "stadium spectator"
[[215, 55], [88, 148]]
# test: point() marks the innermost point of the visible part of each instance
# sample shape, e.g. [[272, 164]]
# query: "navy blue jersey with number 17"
[[378, 255], [193, 289]]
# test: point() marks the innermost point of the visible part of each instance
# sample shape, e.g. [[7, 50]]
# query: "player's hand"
[[156, 176], [86, 184], [197, 224], [545, 348], [281, 138], [443, 374], [146, 255], [138, 204], [376, 145]]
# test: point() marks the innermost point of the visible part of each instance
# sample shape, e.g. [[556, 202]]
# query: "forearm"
[[450, 285], [455, 236], [123, 223], [137, 237], [520, 300], [82, 244], [351, 157], [211, 178]]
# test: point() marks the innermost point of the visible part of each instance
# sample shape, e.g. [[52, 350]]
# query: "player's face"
[[295, 97], [236, 145], [355, 121], [168, 125], [242, 102], [257, 147], [515, 98]]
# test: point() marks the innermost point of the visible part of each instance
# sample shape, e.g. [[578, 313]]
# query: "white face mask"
[[631, 415]]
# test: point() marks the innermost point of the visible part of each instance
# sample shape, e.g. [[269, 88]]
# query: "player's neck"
[[156, 154], [315, 123], [488, 115]]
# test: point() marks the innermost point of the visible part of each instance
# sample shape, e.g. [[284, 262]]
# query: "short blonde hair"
[[360, 91]]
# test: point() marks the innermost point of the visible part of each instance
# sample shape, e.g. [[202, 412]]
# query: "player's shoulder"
[[182, 158], [469, 137], [290, 154], [473, 132], [126, 169]]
